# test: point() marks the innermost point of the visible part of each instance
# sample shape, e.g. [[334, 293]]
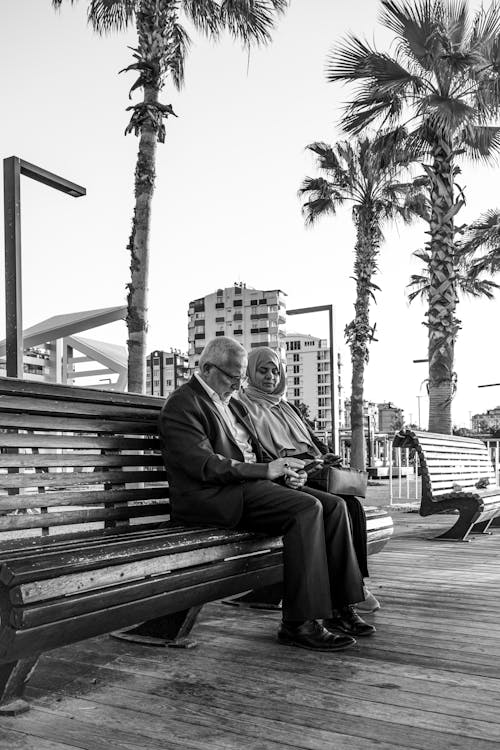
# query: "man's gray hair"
[[219, 350]]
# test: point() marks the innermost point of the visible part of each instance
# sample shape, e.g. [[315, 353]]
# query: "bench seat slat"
[[68, 479], [59, 609], [72, 583], [84, 557]]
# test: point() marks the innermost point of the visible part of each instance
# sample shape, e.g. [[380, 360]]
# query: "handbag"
[[340, 481]]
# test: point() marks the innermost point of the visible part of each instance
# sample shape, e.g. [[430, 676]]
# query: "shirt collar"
[[210, 391]]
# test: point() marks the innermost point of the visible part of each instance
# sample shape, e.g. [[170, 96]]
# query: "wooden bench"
[[86, 544], [457, 475]]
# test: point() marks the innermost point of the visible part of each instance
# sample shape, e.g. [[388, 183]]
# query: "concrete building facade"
[[254, 317], [166, 371], [309, 377], [487, 421]]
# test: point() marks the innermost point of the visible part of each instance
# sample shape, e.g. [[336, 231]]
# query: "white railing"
[[404, 479]]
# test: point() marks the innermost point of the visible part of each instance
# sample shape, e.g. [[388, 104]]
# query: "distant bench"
[[86, 544], [457, 475]]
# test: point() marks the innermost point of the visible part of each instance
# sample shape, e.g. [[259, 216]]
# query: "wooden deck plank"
[[429, 678]]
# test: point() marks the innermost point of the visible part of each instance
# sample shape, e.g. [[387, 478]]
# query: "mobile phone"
[[311, 465]]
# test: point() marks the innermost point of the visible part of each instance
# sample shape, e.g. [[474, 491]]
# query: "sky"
[[225, 207]]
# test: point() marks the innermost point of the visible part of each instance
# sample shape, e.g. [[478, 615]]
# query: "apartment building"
[[309, 377], [166, 371], [486, 421], [254, 317], [390, 417]]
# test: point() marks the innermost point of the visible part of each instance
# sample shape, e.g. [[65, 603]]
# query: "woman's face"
[[266, 377]]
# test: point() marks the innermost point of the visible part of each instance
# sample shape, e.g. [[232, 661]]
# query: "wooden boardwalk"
[[429, 678]]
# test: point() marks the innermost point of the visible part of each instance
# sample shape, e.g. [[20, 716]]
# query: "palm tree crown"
[[367, 173], [443, 82]]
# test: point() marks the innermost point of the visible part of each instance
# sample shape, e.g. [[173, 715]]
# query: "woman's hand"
[[331, 459], [296, 482], [284, 467]]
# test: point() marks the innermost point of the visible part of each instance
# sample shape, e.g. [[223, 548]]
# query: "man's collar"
[[210, 391]]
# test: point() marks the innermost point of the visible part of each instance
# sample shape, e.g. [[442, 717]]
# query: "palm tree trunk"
[[442, 323], [139, 252], [359, 331]]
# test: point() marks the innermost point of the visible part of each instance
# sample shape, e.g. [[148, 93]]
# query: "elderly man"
[[219, 475]]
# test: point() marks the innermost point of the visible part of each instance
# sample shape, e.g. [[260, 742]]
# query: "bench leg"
[[13, 678], [267, 597], [482, 527], [460, 530], [170, 630]]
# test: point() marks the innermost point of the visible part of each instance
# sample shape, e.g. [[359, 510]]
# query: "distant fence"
[[404, 472]]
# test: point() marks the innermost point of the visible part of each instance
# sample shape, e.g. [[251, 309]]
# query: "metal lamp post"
[[13, 168]]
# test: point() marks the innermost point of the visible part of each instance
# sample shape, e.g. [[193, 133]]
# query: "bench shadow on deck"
[[428, 679]]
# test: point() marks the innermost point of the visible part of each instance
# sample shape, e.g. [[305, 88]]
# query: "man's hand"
[[284, 467], [296, 482]]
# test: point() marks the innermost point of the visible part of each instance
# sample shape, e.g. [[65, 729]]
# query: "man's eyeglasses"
[[235, 379]]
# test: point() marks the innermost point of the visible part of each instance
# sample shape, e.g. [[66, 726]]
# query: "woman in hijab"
[[283, 432]]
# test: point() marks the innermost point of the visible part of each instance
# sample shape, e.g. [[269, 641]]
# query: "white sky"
[[225, 207]]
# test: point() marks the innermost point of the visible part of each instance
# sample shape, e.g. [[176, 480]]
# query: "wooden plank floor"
[[429, 678]]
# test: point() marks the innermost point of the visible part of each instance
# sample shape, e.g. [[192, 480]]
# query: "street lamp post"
[[13, 168]]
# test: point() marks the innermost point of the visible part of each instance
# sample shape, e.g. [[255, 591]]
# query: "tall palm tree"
[[366, 173], [443, 82], [161, 51]]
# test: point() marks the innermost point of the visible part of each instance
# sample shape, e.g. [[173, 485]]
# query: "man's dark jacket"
[[205, 467]]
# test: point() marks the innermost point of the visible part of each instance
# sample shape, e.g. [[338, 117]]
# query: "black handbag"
[[345, 481]]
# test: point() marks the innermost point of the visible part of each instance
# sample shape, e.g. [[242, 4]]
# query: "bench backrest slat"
[[76, 459]]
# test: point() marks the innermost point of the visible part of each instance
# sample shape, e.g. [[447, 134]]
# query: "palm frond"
[[251, 21], [204, 15], [415, 27], [482, 142], [106, 16]]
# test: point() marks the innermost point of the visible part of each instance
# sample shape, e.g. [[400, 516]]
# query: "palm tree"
[[365, 173], [161, 52], [443, 82]]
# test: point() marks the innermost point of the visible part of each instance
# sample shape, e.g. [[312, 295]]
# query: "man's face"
[[226, 378]]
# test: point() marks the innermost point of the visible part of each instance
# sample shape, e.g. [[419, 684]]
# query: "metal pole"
[[13, 168], [13, 280]]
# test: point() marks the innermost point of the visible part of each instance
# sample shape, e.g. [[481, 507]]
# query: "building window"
[[296, 368], [296, 381], [237, 290], [199, 335], [296, 357], [263, 301], [290, 345], [219, 305], [219, 320], [323, 378], [323, 366], [254, 301], [296, 392], [238, 316], [219, 333], [237, 303], [238, 331]]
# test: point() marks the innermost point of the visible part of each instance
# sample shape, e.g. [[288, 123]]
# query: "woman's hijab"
[[280, 430]]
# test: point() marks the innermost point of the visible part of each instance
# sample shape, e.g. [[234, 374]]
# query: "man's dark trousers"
[[321, 569]]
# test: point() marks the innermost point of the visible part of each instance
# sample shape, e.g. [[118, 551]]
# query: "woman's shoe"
[[369, 603]]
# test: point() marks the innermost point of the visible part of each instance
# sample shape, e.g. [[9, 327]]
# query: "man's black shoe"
[[310, 634], [348, 621]]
